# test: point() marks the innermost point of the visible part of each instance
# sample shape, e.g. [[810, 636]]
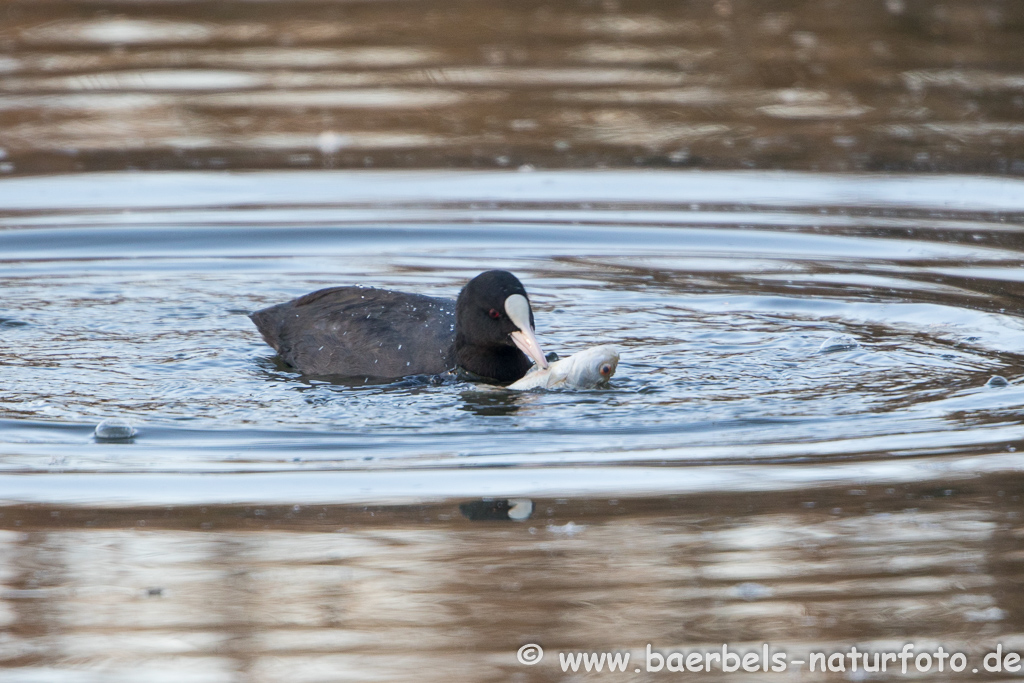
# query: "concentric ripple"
[[727, 316]]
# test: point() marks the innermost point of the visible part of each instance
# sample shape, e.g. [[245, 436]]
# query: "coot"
[[368, 332]]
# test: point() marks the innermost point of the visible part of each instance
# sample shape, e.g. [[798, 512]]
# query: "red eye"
[[494, 313], [606, 369]]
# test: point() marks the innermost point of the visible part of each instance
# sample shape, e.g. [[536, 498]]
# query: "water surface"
[[848, 325], [804, 444], [895, 85]]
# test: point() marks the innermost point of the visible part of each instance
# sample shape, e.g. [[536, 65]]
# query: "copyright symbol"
[[530, 654]]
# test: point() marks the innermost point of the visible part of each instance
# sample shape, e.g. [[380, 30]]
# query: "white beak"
[[518, 310]]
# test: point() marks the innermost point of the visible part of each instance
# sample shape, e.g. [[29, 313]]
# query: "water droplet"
[[839, 342], [114, 429]]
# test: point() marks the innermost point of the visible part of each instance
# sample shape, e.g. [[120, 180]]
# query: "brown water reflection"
[[423, 593], [832, 86]]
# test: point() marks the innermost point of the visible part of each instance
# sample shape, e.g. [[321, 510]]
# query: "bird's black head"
[[494, 327]]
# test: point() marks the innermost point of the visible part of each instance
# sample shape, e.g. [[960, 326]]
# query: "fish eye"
[[606, 369], [494, 313]]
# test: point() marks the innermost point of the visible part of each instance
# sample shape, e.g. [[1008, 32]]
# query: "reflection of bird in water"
[[497, 509]]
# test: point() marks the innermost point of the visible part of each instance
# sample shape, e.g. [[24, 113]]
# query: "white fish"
[[584, 370]]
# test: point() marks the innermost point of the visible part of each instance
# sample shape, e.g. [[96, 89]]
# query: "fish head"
[[592, 367]]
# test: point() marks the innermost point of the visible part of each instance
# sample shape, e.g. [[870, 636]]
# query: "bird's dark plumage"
[[367, 332]]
